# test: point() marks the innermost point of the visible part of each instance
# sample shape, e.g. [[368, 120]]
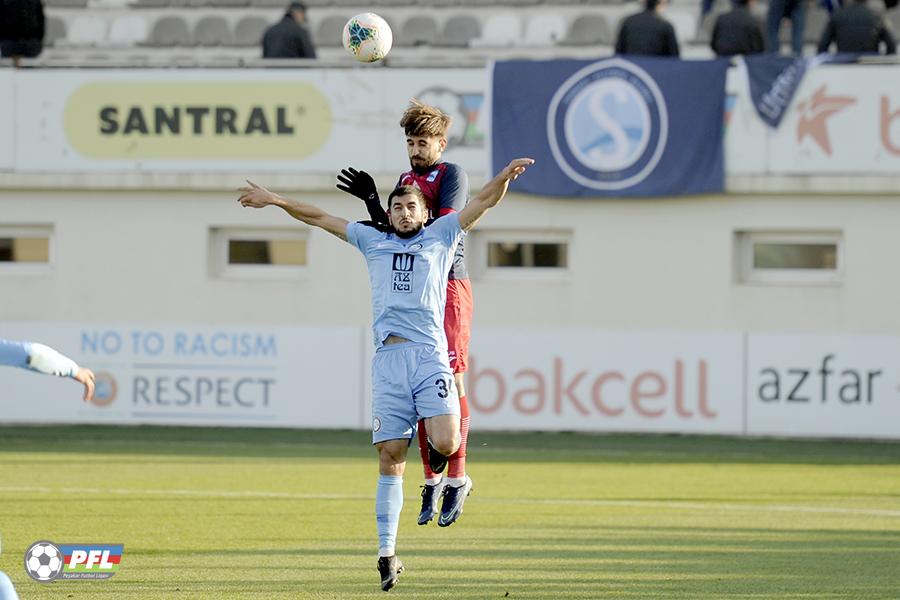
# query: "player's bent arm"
[[492, 193], [256, 196]]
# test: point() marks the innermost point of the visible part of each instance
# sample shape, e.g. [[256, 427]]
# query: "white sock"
[[386, 551], [434, 481], [456, 481]]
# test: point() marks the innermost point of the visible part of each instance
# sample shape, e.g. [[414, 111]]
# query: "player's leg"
[[458, 484], [393, 427], [388, 504]]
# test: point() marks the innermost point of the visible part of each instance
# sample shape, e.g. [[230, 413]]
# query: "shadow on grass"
[[490, 446]]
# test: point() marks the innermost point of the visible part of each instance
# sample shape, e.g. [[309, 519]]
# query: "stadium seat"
[[87, 30], [588, 30], [169, 31], [704, 31], [66, 3], [270, 3], [417, 30], [55, 30], [500, 30], [149, 3], [329, 31], [544, 30], [249, 31], [128, 30], [229, 3], [459, 30], [893, 16], [816, 20], [107, 4], [212, 30]]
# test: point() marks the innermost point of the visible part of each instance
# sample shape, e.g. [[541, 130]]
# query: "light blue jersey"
[[36, 357], [408, 278], [14, 354]]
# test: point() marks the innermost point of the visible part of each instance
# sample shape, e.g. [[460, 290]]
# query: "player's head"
[[407, 210], [426, 134], [297, 10]]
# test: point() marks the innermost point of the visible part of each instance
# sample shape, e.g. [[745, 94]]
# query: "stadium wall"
[[653, 323]]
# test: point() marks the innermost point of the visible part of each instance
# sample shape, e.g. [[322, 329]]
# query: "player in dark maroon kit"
[[446, 189]]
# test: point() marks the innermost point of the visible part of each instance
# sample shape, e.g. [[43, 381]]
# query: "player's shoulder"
[[450, 168]]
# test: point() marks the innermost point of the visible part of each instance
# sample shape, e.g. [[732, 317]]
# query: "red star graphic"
[[814, 113]]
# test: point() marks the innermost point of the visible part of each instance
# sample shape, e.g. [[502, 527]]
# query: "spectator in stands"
[[21, 29], [738, 31], [857, 28], [795, 10], [647, 32], [290, 37]]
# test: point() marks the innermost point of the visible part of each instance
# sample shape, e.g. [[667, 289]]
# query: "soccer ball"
[[43, 561], [367, 37]]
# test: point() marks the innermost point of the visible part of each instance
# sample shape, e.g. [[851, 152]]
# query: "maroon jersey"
[[446, 190]]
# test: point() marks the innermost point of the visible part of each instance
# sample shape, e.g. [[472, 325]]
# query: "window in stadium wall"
[[25, 249], [800, 257], [531, 253], [258, 252]]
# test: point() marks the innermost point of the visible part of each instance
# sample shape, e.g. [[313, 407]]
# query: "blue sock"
[[388, 503]]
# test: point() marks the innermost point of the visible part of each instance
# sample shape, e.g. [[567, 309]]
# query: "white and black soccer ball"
[[43, 561]]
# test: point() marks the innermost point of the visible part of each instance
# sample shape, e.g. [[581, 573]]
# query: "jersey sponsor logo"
[[608, 125], [432, 176], [402, 273]]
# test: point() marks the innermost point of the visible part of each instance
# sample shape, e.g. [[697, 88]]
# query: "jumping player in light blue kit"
[[44, 359], [408, 267]]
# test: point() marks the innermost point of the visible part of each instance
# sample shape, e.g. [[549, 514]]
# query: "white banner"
[[193, 375], [538, 380], [843, 119], [293, 121], [823, 385], [7, 119], [595, 381]]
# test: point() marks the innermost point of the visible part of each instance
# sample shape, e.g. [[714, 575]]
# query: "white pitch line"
[[704, 506]]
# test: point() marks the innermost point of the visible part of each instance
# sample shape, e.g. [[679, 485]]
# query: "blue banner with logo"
[[636, 126], [774, 80]]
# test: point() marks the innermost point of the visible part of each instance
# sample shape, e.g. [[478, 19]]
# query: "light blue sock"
[[388, 504]]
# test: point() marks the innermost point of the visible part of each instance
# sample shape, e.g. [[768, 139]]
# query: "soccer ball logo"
[[367, 37], [43, 561]]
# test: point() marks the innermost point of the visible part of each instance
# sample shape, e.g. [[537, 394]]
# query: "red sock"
[[423, 451], [456, 466]]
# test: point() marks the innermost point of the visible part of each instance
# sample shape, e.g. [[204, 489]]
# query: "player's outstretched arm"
[[44, 359], [492, 193], [256, 196]]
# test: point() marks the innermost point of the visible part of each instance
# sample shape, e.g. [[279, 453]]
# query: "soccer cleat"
[[389, 567], [454, 498], [436, 461], [430, 496]]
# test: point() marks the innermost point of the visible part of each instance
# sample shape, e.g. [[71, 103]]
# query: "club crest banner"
[[615, 127]]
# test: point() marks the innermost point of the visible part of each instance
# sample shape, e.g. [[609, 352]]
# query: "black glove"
[[360, 184]]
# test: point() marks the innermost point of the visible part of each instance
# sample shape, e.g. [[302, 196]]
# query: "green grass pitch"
[[241, 513]]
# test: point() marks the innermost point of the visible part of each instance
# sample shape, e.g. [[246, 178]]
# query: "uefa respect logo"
[[46, 561], [607, 125]]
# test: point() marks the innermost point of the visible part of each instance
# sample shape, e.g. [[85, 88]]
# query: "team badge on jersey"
[[402, 273]]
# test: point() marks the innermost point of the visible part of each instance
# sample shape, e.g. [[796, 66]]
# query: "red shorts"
[[458, 323]]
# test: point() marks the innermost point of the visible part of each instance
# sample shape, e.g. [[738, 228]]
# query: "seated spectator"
[[857, 28], [290, 37], [737, 31], [21, 29], [648, 33], [779, 10]]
